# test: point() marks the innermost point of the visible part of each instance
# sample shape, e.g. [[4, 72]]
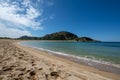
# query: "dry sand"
[[23, 63]]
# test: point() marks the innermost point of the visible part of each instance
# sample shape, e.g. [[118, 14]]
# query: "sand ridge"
[[22, 63]]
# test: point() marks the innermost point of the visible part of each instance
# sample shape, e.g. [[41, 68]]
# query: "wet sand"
[[23, 63]]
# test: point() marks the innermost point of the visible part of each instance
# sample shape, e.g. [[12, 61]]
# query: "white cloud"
[[22, 15], [11, 13], [26, 2], [12, 32]]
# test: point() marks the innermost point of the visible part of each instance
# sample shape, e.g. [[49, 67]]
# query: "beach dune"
[[18, 62]]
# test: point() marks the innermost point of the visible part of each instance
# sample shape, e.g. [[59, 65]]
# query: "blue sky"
[[98, 19]]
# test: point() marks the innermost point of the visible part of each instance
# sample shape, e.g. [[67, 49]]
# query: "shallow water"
[[102, 51]]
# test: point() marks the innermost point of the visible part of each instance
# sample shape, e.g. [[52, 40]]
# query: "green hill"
[[85, 39], [62, 35]]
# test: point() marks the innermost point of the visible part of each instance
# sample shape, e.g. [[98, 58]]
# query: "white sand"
[[22, 63]]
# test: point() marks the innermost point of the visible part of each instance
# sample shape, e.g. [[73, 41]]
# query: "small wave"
[[89, 59]]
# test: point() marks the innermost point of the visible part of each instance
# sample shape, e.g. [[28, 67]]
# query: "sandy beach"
[[18, 62]]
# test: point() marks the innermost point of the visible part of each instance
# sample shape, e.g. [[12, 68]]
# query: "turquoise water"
[[102, 51]]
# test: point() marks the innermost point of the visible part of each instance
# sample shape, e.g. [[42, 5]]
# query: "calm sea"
[[100, 51]]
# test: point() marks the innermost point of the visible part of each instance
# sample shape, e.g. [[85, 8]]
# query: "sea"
[[102, 55]]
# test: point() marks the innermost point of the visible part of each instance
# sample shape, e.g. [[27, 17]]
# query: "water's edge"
[[101, 65]]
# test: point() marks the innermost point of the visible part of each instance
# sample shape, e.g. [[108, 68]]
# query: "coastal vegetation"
[[86, 39], [62, 35]]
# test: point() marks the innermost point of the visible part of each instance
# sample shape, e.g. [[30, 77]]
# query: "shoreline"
[[101, 65], [68, 60], [19, 58]]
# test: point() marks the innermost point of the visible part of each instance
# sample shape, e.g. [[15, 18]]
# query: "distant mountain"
[[29, 38], [5, 38], [62, 35], [85, 39]]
